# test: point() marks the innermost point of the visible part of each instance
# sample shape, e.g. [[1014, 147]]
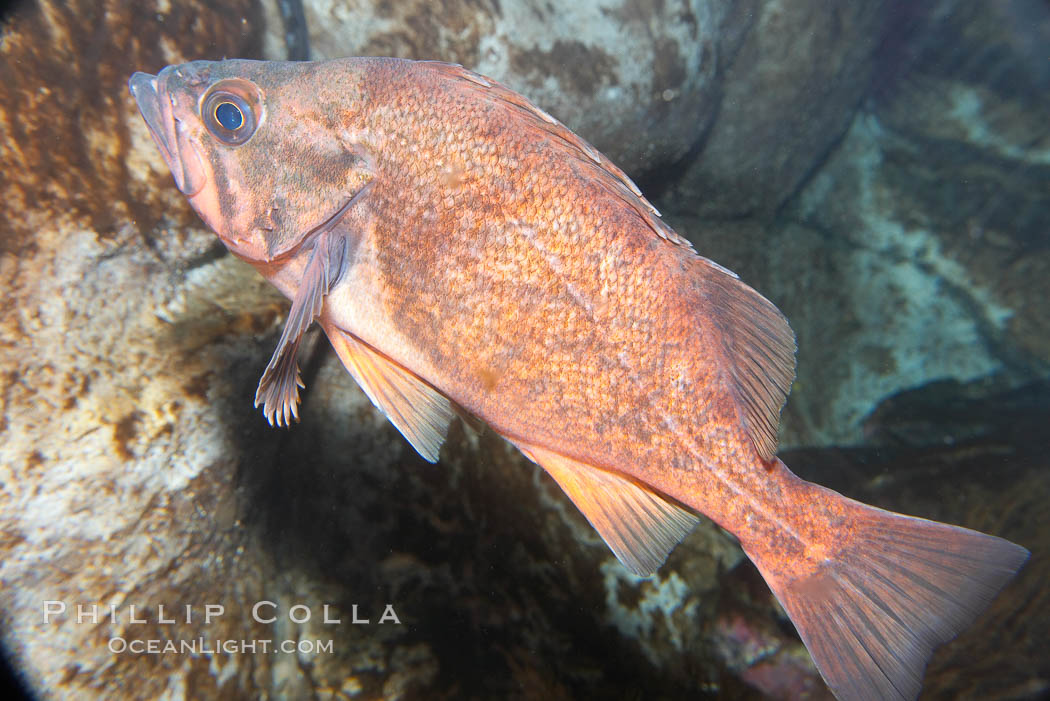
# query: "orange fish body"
[[466, 253]]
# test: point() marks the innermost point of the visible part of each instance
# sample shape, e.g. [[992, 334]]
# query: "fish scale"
[[465, 253]]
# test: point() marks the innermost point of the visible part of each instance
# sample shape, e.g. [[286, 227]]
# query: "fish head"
[[262, 150]]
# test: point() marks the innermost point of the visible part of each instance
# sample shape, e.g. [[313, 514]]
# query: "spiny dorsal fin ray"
[[421, 413], [604, 171], [639, 526], [759, 352]]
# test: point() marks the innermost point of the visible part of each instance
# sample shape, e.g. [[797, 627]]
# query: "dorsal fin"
[[759, 352], [421, 413], [639, 526], [603, 170]]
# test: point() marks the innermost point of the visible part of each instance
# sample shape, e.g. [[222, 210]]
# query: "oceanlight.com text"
[[201, 646]]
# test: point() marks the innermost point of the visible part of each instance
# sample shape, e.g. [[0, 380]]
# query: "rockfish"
[[466, 253]]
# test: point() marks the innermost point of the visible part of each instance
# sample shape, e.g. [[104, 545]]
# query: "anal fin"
[[640, 526], [421, 413]]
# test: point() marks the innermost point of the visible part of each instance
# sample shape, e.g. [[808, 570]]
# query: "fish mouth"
[[182, 155]]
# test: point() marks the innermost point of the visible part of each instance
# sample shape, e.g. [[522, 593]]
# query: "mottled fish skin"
[[491, 262]]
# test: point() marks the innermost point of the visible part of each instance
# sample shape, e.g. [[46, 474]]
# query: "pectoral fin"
[[417, 410], [278, 390], [640, 526]]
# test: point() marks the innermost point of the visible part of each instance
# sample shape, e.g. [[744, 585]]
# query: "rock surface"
[[923, 234], [788, 96], [638, 79]]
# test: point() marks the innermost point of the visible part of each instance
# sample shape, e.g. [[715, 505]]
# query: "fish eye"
[[228, 115]]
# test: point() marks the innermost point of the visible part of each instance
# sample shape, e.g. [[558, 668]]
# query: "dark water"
[[879, 170]]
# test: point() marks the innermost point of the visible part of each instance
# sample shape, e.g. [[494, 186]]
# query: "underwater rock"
[[967, 161], [941, 251], [637, 79], [117, 481], [906, 299], [924, 231], [65, 130], [787, 97]]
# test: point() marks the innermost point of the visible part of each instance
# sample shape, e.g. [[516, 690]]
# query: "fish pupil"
[[229, 116]]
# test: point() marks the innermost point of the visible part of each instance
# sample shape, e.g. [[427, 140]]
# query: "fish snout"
[[157, 105], [143, 87]]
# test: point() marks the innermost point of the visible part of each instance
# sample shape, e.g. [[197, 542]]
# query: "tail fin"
[[872, 614]]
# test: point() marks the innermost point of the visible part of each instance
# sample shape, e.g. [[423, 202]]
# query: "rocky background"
[[880, 170]]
